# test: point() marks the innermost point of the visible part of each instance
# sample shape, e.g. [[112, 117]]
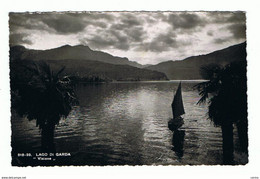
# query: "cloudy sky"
[[145, 37]]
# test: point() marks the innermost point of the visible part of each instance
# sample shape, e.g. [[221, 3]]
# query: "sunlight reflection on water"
[[126, 123]]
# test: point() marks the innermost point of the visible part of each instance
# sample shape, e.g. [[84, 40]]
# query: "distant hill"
[[189, 68], [108, 72], [83, 69], [78, 52], [83, 62]]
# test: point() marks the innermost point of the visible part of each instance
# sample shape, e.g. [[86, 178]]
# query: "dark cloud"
[[235, 22], [107, 39], [150, 19], [114, 37], [118, 36], [136, 34], [131, 22], [107, 16], [126, 30], [185, 21], [237, 17], [221, 40], [18, 21], [154, 17], [99, 24], [210, 33], [167, 39], [162, 42], [238, 30], [161, 16], [64, 23], [122, 46], [121, 41], [19, 39], [127, 21], [130, 19], [98, 42], [217, 17], [220, 17], [118, 26], [61, 23], [77, 22]]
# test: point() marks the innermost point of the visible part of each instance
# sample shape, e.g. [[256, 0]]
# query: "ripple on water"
[[128, 124]]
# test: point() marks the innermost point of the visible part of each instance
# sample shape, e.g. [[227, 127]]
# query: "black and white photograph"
[[116, 88], [129, 89]]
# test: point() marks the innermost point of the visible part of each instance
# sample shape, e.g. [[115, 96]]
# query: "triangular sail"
[[177, 103]]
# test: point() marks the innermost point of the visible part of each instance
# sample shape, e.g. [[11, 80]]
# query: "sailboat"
[[177, 110]]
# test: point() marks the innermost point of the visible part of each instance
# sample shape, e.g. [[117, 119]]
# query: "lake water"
[[127, 124]]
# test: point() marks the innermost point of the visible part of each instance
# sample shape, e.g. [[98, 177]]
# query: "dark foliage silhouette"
[[226, 90], [41, 94]]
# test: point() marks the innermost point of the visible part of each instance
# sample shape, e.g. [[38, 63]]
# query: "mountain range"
[[78, 52], [189, 68], [83, 62], [87, 65]]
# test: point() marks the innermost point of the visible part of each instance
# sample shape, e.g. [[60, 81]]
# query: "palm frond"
[[204, 89], [225, 91], [45, 96], [210, 71], [60, 71]]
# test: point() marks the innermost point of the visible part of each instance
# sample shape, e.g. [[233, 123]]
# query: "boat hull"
[[175, 123]]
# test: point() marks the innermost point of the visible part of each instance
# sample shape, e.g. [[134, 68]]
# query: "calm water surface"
[[126, 123]]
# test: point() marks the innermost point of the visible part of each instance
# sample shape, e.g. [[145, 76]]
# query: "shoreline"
[[152, 81]]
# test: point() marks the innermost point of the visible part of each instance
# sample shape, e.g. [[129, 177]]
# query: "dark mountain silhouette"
[[82, 61], [82, 69], [189, 68], [78, 52], [105, 71]]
